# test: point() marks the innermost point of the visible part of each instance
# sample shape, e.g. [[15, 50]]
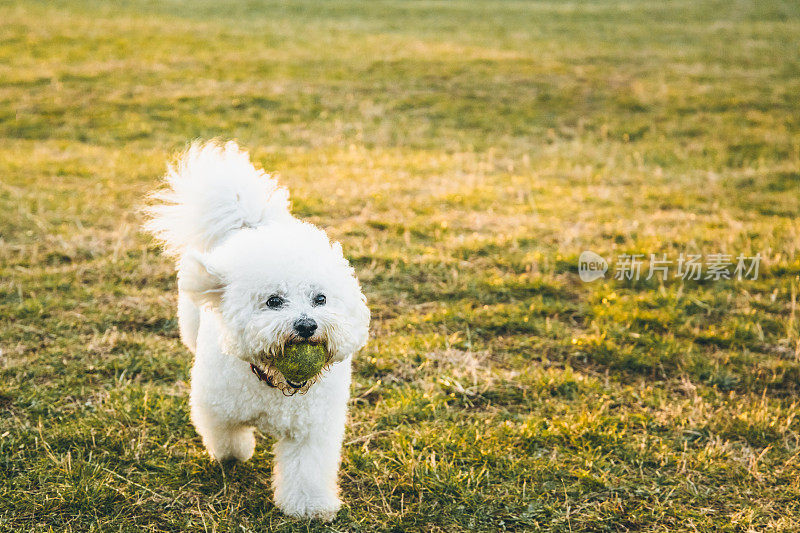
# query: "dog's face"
[[276, 285]]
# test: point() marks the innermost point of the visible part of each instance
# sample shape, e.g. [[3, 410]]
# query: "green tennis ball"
[[301, 362]]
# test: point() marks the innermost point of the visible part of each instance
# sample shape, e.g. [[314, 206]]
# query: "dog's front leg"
[[223, 440], [305, 479]]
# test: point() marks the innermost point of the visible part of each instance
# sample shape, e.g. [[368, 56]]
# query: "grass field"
[[464, 153]]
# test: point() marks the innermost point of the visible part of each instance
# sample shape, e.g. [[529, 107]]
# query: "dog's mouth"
[[294, 385], [270, 369], [295, 340], [268, 376]]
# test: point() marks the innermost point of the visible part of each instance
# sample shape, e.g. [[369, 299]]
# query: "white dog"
[[252, 279]]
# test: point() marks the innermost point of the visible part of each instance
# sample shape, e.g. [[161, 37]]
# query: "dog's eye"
[[319, 299], [274, 302]]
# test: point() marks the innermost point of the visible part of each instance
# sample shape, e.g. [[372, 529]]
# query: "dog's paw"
[[300, 505], [231, 446]]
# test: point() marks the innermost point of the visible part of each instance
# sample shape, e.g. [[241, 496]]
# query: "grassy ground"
[[465, 153]]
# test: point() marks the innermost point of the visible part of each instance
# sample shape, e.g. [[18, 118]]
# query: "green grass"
[[464, 153]]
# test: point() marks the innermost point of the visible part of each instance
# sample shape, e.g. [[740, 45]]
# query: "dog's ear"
[[198, 280], [363, 321]]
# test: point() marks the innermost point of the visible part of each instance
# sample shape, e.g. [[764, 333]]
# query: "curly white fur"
[[229, 226], [213, 190]]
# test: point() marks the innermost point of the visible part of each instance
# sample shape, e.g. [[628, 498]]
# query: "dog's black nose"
[[305, 327]]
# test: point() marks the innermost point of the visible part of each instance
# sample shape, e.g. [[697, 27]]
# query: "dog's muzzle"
[[272, 377], [269, 380]]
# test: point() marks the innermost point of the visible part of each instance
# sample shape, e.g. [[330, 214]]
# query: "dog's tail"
[[211, 190]]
